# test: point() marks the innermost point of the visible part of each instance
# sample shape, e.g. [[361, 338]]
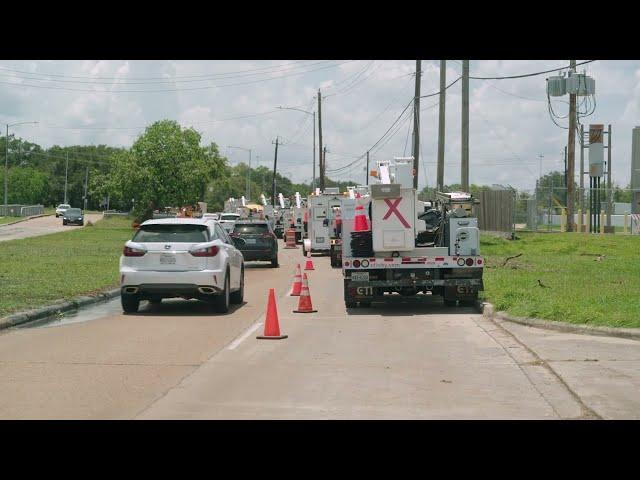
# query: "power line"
[[176, 89], [530, 74], [203, 77]]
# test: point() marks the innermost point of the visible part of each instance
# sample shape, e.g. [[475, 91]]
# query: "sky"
[[235, 103]]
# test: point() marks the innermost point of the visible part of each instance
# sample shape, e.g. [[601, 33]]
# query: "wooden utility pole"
[[416, 125], [581, 169], [320, 141], [571, 156], [86, 183], [66, 176], [465, 127], [275, 166], [367, 168], [441, 125], [324, 165]]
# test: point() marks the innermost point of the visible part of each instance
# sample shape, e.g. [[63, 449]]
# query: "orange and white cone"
[[304, 305], [271, 324], [297, 283], [309, 264]]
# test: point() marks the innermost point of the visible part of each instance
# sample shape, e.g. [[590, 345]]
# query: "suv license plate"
[[250, 241], [167, 259], [360, 276]]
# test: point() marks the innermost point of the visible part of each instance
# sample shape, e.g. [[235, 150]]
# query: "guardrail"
[[113, 213], [31, 210], [18, 210]]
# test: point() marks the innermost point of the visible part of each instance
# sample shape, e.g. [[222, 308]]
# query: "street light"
[[6, 159], [313, 185], [248, 192]]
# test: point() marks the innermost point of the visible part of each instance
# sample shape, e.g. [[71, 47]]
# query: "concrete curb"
[[50, 310], [488, 311], [26, 219]]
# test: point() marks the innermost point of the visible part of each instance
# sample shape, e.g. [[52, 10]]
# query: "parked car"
[[63, 207], [211, 216], [227, 220], [181, 257], [256, 240], [73, 216]]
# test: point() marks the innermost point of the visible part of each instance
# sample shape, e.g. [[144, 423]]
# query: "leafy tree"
[[27, 186]]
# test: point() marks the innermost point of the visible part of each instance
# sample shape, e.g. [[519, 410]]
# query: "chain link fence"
[[597, 210]]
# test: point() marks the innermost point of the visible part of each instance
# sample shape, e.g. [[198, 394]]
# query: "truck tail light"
[[479, 261], [133, 252], [469, 262], [356, 263], [205, 252]]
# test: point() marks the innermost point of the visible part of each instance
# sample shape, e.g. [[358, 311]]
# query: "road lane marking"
[[244, 336]]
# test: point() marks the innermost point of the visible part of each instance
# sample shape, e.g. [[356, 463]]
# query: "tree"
[[165, 167], [27, 186]]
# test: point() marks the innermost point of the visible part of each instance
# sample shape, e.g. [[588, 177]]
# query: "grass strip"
[[569, 277]]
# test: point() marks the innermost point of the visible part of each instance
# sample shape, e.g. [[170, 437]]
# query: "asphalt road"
[[404, 361], [39, 226]]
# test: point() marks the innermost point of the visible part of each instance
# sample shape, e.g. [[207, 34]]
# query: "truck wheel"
[[304, 251], [274, 263], [130, 303]]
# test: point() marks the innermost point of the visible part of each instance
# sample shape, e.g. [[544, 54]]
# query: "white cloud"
[[507, 133]]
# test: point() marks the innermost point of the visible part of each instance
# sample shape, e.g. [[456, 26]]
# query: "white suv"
[[181, 257], [62, 208]]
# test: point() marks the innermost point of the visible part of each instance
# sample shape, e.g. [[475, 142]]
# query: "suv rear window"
[[251, 228], [172, 233], [229, 217]]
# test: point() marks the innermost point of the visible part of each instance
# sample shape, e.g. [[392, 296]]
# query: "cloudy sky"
[[234, 103]]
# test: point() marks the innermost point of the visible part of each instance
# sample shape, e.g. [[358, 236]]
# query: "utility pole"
[[565, 166], [66, 171], [416, 125], [320, 141], [581, 169], [571, 156], [275, 166], [367, 167], [324, 164], [609, 191], [441, 125], [465, 126], [86, 182], [313, 183], [6, 168]]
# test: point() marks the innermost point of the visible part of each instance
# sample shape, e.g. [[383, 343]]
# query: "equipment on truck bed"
[[413, 248]]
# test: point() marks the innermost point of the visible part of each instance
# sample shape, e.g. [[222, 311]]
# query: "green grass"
[[5, 220], [581, 289], [37, 271]]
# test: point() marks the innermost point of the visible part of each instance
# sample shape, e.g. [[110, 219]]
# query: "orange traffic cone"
[[360, 223], [271, 325], [309, 264], [304, 305], [297, 283]]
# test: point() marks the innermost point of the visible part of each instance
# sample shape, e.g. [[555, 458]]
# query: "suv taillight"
[[133, 252], [269, 235], [206, 252]]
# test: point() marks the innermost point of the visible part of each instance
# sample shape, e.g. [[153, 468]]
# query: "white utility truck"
[[413, 248], [298, 214], [321, 214]]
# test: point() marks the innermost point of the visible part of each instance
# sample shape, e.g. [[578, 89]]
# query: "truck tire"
[[304, 251], [130, 303], [274, 262]]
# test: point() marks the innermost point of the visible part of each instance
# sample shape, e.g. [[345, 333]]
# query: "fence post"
[[588, 220], [563, 220], [626, 223], [580, 220], [602, 221]]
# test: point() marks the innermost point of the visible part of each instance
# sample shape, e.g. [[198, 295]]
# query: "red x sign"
[[393, 208]]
